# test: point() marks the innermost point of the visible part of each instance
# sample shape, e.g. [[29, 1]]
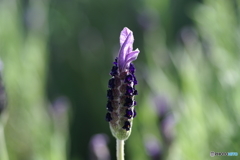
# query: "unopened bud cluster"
[[121, 101]]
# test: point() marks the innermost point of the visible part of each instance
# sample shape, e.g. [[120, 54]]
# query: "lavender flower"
[[122, 90], [153, 148], [98, 147], [3, 96]]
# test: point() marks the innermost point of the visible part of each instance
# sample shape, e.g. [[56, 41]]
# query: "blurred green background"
[[56, 57]]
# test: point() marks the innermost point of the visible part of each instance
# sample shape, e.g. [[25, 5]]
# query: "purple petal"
[[123, 51], [124, 34], [132, 56], [126, 53]]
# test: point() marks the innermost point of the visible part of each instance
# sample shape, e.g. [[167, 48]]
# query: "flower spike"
[[122, 90]]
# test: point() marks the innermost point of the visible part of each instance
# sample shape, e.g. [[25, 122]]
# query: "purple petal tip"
[[126, 53]]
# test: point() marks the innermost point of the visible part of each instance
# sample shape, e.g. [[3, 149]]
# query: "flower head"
[[121, 92]]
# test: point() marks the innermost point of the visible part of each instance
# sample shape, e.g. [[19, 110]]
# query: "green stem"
[[120, 149]]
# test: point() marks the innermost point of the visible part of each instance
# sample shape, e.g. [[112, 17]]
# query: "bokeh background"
[[56, 57]]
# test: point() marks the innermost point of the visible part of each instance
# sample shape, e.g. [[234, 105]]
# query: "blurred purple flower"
[[188, 35], [153, 148], [167, 129], [60, 106], [98, 147], [3, 96], [161, 105], [166, 118], [126, 53]]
